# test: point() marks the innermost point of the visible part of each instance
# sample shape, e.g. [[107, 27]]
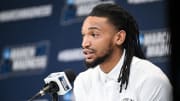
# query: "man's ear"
[[120, 37]]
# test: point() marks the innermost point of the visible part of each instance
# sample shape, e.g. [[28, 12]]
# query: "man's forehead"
[[94, 22]]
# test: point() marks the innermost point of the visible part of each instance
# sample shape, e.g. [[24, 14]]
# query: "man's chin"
[[90, 64], [93, 62]]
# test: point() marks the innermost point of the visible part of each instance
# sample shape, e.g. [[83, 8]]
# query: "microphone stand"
[[54, 97], [51, 88], [35, 96]]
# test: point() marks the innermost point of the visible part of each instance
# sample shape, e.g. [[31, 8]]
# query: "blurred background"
[[38, 37]]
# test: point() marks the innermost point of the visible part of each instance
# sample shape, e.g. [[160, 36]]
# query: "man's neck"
[[111, 62]]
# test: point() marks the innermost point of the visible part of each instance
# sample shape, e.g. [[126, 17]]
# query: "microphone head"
[[62, 79], [70, 75]]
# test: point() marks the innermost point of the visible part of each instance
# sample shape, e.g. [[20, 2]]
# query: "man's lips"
[[88, 53]]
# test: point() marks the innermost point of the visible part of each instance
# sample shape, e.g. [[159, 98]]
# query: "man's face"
[[98, 40]]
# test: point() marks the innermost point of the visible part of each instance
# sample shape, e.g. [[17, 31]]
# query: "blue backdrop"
[[38, 37]]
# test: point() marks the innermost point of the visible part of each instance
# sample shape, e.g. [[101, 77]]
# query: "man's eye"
[[94, 35]]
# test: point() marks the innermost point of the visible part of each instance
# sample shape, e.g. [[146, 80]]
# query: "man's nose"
[[86, 42]]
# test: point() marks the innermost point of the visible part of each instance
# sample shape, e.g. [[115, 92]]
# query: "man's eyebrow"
[[93, 28]]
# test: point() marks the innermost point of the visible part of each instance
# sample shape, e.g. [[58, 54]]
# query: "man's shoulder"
[[146, 70], [145, 65], [87, 74]]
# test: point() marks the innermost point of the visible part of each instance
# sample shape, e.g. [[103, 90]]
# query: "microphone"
[[58, 82]]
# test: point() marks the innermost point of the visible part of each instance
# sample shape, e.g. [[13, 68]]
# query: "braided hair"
[[122, 20]]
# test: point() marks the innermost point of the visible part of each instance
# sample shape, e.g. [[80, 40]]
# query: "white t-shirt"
[[146, 83]]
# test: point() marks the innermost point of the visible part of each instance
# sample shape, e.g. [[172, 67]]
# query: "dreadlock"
[[122, 20]]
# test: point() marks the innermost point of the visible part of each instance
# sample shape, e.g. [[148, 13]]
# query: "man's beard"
[[99, 60]]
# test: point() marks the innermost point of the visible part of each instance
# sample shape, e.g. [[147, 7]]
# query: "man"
[[117, 69]]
